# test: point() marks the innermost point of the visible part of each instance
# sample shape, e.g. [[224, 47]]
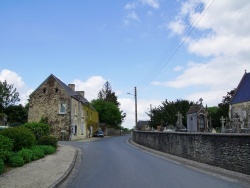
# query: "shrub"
[[21, 136], [26, 154], [48, 140], [1, 166], [8, 156], [37, 153], [6, 145], [39, 129], [48, 149], [16, 160]]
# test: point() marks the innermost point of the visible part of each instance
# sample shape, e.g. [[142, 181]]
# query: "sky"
[[168, 50]]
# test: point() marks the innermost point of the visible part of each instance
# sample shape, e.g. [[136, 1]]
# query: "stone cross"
[[222, 120], [201, 100], [179, 118]]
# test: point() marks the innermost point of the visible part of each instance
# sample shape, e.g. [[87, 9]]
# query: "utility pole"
[[135, 95], [135, 107]]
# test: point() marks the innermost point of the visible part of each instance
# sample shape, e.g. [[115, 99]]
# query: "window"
[[75, 111], [56, 90], [75, 129], [82, 131], [44, 90], [62, 108]]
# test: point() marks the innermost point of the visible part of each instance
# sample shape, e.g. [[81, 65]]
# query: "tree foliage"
[[166, 112], [8, 95], [16, 114], [221, 110], [108, 95], [109, 113]]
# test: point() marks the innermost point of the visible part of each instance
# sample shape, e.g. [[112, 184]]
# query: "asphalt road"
[[112, 163]]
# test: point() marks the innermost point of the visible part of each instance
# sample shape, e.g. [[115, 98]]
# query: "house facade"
[[239, 107], [67, 111]]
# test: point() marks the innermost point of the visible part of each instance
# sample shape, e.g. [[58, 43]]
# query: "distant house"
[[240, 102], [197, 118], [68, 112]]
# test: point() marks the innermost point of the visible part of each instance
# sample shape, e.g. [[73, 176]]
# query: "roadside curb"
[[244, 179], [67, 172]]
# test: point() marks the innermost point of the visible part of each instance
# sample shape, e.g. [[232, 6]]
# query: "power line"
[[174, 46]]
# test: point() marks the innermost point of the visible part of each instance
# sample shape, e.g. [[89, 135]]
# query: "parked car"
[[98, 133]]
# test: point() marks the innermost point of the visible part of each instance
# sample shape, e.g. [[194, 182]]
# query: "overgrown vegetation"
[[48, 140], [21, 137], [18, 145], [39, 129]]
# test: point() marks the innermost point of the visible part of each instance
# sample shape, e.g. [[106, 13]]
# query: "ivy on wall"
[[92, 118]]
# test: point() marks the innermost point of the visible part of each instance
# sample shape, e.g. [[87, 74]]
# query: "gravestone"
[[222, 120]]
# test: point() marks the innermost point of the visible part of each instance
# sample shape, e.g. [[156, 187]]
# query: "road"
[[112, 163]]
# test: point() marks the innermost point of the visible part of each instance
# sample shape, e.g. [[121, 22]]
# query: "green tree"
[[17, 114], [166, 112], [224, 105], [8, 95], [221, 110], [213, 112], [108, 95], [108, 112]]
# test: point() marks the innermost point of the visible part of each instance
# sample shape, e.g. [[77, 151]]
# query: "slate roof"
[[141, 123], [194, 109], [68, 90], [242, 93]]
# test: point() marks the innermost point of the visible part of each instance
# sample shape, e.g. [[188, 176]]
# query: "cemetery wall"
[[229, 151]]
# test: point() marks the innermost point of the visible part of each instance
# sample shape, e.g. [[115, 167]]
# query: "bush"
[[39, 129], [48, 140], [37, 153], [16, 161], [26, 154], [6, 145], [1, 166], [48, 149], [8, 156], [21, 136]]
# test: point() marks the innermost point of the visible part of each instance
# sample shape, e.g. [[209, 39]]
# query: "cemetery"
[[227, 147]]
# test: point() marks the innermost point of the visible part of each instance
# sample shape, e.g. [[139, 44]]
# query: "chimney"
[[72, 86], [81, 93]]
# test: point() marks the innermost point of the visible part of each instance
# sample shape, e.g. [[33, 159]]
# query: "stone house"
[[240, 103], [67, 111], [197, 118]]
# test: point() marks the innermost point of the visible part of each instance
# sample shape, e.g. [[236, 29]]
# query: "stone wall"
[[229, 151]]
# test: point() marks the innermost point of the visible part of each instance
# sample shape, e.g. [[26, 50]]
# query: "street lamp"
[[135, 95]]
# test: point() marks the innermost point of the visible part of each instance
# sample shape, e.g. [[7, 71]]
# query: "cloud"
[[178, 68], [223, 48], [18, 83], [131, 7], [177, 26], [133, 16], [91, 87], [152, 3], [143, 106]]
